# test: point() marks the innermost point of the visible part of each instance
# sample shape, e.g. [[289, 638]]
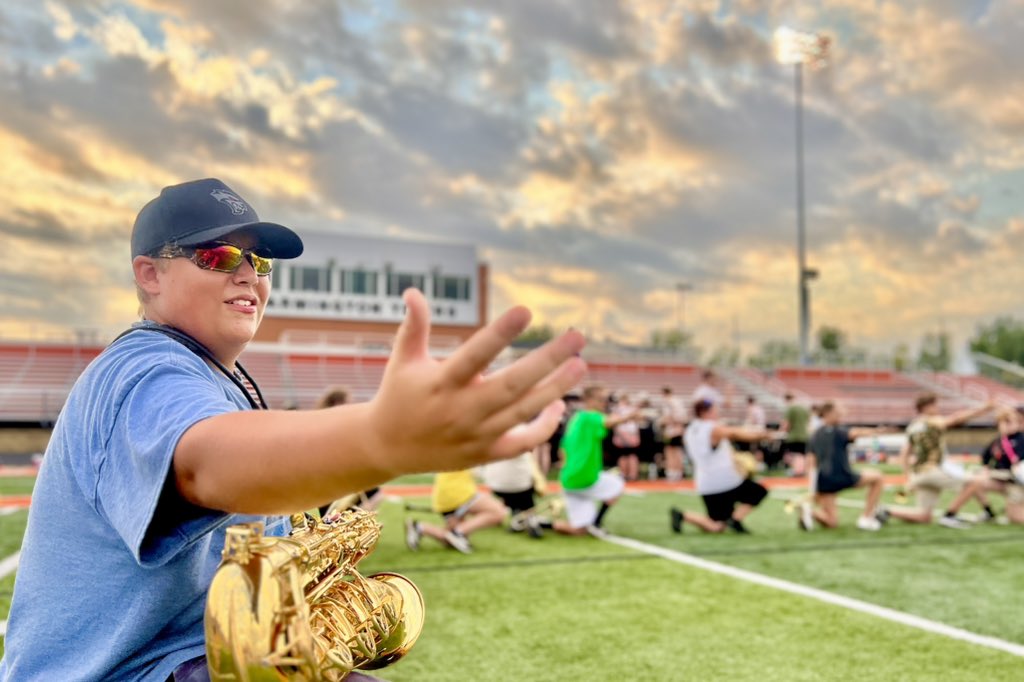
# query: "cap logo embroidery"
[[238, 207]]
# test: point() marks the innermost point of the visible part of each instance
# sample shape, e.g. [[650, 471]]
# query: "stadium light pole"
[[793, 47]]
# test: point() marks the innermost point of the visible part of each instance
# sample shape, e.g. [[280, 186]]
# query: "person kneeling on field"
[[517, 482], [929, 470], [465, 509], [1002, 459], [583, 482], [729, 496], [831, 473]]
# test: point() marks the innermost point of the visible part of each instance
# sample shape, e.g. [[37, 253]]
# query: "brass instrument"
[[296, 608]]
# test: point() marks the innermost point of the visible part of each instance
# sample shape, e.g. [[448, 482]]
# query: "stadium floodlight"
[[796, 48]]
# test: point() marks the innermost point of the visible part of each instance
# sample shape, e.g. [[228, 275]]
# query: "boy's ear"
[[145, 271]]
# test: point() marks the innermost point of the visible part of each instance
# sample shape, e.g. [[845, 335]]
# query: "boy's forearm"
[[278, 462]]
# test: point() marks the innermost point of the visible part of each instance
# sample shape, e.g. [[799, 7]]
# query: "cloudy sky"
[[596, 152]]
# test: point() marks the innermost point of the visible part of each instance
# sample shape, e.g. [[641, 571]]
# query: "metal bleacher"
[[35, 378], [872, 396]]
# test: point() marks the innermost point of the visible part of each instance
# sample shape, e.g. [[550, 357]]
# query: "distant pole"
[[793, 47], [801, 230]]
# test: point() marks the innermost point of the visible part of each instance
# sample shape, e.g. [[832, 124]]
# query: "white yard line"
[[821, 595], [9, 565]]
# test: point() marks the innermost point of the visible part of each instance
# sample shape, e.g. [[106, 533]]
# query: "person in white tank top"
[[715, 471], [729, 496]]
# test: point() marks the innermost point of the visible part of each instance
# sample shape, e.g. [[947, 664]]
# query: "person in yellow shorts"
[[466, 509]]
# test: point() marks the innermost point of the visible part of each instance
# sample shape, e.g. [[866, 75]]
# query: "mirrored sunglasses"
[[220, 257]]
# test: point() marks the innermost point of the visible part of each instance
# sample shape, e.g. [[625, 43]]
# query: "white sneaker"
[[869, 523], [954, 522], [806, 516], [412, 534], [458, 541]]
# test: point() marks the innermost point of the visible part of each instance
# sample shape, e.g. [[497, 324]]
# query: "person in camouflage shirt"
[[928, 470]]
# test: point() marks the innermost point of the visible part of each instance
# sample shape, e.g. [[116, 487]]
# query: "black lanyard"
[[204, 352]]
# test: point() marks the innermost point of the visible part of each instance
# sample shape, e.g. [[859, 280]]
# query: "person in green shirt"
[[583, 482], [794, 422]]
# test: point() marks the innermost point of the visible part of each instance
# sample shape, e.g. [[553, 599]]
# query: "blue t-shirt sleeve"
[[135, 487]]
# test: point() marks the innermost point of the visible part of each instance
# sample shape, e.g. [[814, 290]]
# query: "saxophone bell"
[[297, 608]]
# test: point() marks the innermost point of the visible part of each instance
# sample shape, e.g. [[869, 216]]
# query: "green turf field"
[[579, 608]]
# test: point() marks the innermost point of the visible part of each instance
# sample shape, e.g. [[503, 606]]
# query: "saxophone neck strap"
[[239, 377]]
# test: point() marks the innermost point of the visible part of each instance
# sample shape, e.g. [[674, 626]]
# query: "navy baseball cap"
[[203, 211]]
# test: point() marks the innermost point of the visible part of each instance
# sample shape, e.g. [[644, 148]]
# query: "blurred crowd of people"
[[607, 439]]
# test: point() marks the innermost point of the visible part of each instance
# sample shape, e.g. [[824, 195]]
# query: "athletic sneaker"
[[533, 527], [458, 541], [869, 523], [882, 515], [806, 516], [518, 524], [737, 527], [676, 520], [412, 534], [954, 522]]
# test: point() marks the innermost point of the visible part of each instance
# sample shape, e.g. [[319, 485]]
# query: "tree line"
[[1002, 338]]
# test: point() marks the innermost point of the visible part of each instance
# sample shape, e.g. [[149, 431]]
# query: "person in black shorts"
[[831, 473], [720, 506], [673, 422], [1002, 458], [729, 496], [650, 450], [796, 423]]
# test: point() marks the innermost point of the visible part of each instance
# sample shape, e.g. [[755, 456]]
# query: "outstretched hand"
[[441, 415]]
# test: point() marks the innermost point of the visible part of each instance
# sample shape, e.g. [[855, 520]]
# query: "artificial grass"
[[17, 485], [578, 608], [492, 617], [972, 579]]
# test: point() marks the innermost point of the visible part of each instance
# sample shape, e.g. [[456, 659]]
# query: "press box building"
[[345, 286]]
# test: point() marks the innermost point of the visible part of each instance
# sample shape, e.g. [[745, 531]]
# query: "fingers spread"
[[523, 437], [550, 390], [413, 334], [507, 385], [474, 356]]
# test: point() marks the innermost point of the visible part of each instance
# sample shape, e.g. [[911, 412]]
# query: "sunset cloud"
[[597, 153]]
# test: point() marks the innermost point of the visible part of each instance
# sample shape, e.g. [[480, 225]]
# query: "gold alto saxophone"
[[296, 608]]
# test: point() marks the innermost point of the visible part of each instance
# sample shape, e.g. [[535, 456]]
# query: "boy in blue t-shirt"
[[163, 443]]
